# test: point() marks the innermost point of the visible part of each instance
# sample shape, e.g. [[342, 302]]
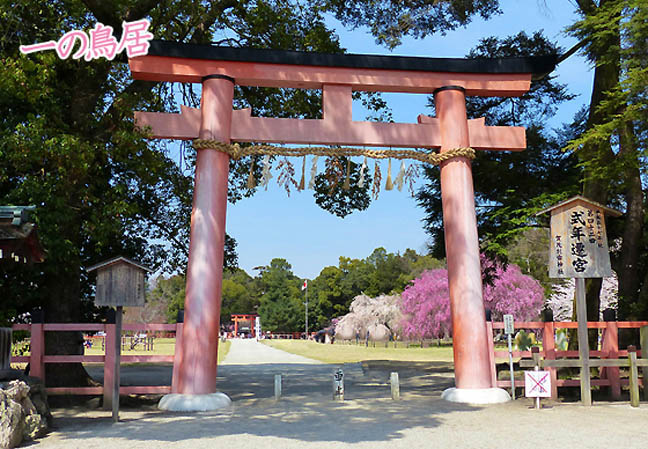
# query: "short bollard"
[[634, 376], [338, 385], [277, 385], [395, 386]]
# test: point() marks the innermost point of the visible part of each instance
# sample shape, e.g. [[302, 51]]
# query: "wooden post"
[[116, 378], [111, 341], [644, 355], [634, 376], [395, 386], [37, 348], [549, 346], [610, 345], [583, 344], [277, 387]]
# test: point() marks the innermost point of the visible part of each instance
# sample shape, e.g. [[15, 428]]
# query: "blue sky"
[[271, 225]]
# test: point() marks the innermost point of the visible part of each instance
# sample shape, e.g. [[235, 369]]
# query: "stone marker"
[[395, 386], [338, 385], [277, 386]]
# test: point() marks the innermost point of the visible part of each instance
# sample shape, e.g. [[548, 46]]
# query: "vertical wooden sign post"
[[509, 329], [117, 363], [120, 282], [579, 250]]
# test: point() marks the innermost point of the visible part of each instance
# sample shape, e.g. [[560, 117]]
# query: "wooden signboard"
[[579, 247], [120, 282]]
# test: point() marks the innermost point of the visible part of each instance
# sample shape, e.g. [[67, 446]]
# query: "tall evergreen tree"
[[68, 143], [610, 137]]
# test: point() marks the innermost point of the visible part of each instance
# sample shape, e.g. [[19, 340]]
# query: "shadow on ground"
[[306, 411]]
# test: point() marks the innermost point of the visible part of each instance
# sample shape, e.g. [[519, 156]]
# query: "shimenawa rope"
[[237, 152]]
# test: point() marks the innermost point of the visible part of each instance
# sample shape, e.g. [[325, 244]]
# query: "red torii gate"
[[218, 69]]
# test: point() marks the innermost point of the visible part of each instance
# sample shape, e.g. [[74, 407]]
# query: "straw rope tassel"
[[388, 184], [302, 181], [251, 183]]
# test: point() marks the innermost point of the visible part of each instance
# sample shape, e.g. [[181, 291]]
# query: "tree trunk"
[[597, 156], [63, 305], [628, 266]]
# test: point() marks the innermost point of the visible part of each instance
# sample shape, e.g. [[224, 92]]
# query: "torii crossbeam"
[[218, 69]]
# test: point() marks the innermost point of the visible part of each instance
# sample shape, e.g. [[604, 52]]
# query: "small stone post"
[[395, 386], [277, 387]]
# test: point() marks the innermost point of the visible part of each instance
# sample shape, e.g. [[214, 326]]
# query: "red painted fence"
[[38, 359], [608, 377]]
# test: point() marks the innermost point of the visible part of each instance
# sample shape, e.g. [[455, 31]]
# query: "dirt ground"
[[307, 417]]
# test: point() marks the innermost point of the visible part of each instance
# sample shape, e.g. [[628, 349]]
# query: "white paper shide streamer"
[[361, 181], [400, 178], [313, 173], [265, 173]]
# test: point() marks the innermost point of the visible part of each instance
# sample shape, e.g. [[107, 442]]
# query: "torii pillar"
[[450, 80], [469, 342], [196, 360]]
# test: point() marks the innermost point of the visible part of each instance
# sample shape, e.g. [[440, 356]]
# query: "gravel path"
[[250, 352], [306, 417]]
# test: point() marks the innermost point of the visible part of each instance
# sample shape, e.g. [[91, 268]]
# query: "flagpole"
[[306, 294]]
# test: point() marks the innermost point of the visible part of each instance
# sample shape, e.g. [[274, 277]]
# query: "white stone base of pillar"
[[480, 396], [194, 402]]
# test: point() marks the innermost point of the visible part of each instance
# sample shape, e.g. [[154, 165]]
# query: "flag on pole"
[[305, 286]]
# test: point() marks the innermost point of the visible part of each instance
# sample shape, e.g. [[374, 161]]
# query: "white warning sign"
[[537, 384]]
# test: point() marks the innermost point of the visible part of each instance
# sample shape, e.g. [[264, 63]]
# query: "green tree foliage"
[[610, 136], [613, 147], [331, 192], [277, 296], [529, 252], [381, 273], [326, 296], [389, 20], [510, 187], [240, 295], [68, 143], [281, 308], [170, 292]]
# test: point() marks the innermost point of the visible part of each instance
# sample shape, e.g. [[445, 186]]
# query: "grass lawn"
[[343, 353], [161, 346]]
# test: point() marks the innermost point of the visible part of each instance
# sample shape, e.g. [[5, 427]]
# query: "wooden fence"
[[37, 358], [608, 376]]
